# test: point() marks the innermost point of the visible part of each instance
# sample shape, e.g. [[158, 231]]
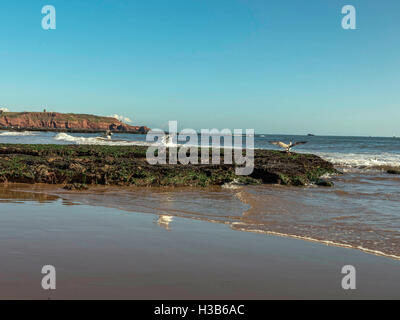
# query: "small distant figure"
[[167, 140], [44, 110], [289, 146], [108, 134]]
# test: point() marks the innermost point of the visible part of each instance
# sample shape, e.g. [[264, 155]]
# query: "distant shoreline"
[[64, 122], [66, 130]]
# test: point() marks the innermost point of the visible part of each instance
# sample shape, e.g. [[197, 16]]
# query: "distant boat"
[[311, 135]]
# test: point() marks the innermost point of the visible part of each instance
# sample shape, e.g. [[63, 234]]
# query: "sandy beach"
[[106, 253]]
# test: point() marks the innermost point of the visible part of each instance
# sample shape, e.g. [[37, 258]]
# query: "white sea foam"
[[361, 161], [232, 185], [166, 141], [17, 133], [97, 141], [242, 227]]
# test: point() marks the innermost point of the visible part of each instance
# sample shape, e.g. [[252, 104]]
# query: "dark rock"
[[324, 183], [78, 166]]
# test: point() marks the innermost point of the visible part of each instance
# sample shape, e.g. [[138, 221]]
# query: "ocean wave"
[[97, 141], [240, 226], [115, 142], [17, 133], [362, 161]]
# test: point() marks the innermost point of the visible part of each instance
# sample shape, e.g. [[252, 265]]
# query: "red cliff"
[[54, 121]]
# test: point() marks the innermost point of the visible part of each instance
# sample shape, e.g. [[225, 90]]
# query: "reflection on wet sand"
[[102, 253], [165, 221], [356, 213], [8, 193], [211, 204]]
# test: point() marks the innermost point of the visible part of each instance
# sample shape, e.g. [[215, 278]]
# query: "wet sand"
[[355, 213], [108, 253]]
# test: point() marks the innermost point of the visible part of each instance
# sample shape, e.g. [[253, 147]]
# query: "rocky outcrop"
[[114, 165], [54, 121]]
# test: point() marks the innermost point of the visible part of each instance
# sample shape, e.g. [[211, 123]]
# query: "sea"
[[361, 211]]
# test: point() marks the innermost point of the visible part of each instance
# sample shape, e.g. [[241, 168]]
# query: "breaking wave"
[[362, 161], [16, 133], [242, 227], [97, 141]]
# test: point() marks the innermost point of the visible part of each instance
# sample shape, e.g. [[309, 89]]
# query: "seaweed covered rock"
[[324, 183], [290, 169], [74, 165]]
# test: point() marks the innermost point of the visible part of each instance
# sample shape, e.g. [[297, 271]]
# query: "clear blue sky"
[[275, 66]]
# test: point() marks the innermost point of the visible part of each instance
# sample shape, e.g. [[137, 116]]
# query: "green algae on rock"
[[82, 165]]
